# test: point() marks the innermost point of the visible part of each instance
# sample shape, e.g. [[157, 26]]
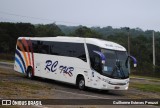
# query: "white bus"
[[85, 62]]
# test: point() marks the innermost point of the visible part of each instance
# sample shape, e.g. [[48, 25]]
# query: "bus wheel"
[[81, 83], [29, 73]]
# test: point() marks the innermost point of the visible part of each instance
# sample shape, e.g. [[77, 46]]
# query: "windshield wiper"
[[118, 69]]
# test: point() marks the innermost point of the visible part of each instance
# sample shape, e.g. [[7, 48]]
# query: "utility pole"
[[153, 50], [127, 28], [128, 40]]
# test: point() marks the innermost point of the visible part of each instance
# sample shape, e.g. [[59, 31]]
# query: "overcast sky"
[[144, 14]]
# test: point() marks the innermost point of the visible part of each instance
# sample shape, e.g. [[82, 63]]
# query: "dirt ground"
[[14, 85]]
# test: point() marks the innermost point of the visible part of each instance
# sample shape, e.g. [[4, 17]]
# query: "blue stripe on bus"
[[20, 56], [19, 63]]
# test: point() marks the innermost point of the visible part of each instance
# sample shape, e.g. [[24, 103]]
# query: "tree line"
[[140, 41]]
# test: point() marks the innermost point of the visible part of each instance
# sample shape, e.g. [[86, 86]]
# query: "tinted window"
[[41, 47], [68, 49], [110, 57], [92, 48], [56, 48], [35, 46]]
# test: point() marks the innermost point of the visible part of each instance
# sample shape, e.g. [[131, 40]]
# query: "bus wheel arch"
[[80, 82], [29, 72]]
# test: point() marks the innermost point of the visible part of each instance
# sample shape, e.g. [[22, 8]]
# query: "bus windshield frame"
[[116, 64]]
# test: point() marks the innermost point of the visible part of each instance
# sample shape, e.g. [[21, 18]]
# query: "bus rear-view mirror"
[[133, 59], [101, 56]]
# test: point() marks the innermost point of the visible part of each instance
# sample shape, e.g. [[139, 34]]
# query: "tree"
[[49, 30], [86, 32]]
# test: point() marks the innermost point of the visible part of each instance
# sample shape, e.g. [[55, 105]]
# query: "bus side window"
[[55, 48], [68, 49], [40, 47], [76, 50], [44, 49], [80, 52], [93, 57], [35, 46]]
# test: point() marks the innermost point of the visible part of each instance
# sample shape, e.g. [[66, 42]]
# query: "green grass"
[[9, 107], [21, 84], [28, 85], [10, 61], [146, 77], [146, 87]]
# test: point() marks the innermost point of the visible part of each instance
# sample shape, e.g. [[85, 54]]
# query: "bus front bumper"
[[115, 85]]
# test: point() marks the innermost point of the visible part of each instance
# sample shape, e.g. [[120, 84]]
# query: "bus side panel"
[[21, 60], [18, 65], [70, 67], [59, 68]]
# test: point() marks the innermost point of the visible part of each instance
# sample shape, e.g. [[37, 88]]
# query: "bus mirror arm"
[[134, 61], [102, 56]]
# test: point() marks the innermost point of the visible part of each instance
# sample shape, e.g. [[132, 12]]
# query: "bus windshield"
[[115, 64]]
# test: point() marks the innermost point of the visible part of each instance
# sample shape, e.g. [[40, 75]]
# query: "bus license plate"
[[116, 87]]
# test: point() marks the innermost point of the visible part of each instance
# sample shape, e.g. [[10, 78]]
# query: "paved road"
[[59, 90]]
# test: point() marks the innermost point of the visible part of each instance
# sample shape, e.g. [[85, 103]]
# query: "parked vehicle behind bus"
[[85, 62]]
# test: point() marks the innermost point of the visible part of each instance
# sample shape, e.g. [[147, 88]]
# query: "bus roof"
[[98, 42]]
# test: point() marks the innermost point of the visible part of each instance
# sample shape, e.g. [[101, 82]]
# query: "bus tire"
[[30, 73], [81, 83]]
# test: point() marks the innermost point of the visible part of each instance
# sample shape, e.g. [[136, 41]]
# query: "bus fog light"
[[126, 88]]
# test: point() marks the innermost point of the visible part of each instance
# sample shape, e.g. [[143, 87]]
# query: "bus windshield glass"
[[116, 64]]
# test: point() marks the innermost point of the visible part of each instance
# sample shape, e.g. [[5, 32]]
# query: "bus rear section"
[[24, 56]]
